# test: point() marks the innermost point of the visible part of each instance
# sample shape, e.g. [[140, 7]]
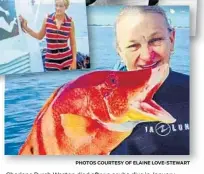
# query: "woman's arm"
[[38, 35], [73, 46]]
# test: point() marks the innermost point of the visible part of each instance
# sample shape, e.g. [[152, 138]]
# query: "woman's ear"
[[120, 53], [118, 50], [172, 38]]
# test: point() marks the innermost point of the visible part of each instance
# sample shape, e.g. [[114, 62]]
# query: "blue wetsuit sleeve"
[[119, 66]]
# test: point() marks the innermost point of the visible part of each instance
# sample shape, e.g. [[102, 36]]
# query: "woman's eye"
[[113, 81], [60, 6], [134, 47], [156, 41]]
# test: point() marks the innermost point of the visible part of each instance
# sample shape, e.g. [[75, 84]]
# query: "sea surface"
[[26, 94], [103, 52]]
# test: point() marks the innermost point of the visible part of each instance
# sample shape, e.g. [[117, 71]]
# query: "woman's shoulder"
[[49, 15], [119, 66], [179, 78], [175, 89], [69, 18]]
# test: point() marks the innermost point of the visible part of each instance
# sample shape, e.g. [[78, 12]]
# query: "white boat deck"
[[14, 61]]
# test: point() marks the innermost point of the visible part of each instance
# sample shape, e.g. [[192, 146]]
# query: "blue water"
[[103, 54], [26, 94]]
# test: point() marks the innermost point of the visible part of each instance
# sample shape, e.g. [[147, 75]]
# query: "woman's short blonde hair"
[[66, 3], [142, 10]]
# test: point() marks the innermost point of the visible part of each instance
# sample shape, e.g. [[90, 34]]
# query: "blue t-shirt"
[[157, 138]]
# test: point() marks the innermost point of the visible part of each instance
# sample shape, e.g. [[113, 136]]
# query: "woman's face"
[[60, 7], [144, 40]]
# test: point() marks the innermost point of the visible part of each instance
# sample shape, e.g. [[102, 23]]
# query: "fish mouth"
[[149, 111], [142, 107], [145, 111], [153, 65]]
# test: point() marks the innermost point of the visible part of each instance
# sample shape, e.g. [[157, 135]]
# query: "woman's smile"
[[152, 65]]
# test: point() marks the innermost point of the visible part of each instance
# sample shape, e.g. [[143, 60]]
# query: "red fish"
[[96, 112]]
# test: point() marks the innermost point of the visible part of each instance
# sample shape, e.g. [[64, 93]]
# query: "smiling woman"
[[147, 42], [145, 39]]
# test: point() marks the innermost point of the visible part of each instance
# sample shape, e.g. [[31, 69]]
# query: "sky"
[[104, 15]]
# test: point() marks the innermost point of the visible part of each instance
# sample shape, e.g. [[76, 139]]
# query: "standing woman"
[[58, 29]]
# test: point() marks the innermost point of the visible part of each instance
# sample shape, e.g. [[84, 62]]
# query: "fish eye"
[[112, 80]]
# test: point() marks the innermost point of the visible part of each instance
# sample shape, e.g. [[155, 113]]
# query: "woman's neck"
[[60, 17]]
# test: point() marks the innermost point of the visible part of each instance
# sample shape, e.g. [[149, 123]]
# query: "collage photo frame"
[[125, 103]]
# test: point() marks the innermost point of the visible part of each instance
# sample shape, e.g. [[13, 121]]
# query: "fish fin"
[[75, 125], [47, 103]]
